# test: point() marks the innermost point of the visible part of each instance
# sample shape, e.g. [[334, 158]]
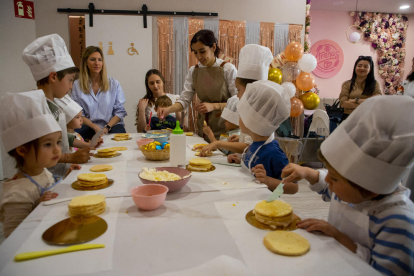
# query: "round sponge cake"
[[275, 213], [286, 243], [199, 164], [92, 179], [101, 168], [87, 206]]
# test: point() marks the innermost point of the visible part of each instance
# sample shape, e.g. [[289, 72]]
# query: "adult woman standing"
[[155, 87], [212, 79], [100, 96], [361, 87]]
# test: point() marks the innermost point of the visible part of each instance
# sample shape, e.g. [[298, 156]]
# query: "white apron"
[[269, 140]]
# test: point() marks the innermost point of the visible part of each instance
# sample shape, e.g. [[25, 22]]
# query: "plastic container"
[[178, 147], [149, 197]]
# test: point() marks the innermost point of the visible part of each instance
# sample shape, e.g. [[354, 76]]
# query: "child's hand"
[[233, 138], [260, 173], [233, 158], [207, 131], [97, 143], [318, 225], [185, 128], [209, 148], [293, 173], [80, 156], [48, 196], [73, 167], [147, 127]]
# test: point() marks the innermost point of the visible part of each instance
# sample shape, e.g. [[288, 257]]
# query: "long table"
[[202, 221]]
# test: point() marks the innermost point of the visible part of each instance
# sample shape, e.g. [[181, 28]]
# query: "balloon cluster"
[[295, 73]]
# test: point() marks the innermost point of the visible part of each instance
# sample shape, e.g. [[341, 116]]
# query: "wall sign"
[[24, 9], [330, 58]]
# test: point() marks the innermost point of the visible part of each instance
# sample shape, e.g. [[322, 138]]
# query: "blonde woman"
[[100, 96]]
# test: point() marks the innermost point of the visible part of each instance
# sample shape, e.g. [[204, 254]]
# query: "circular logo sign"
[[330, 58]]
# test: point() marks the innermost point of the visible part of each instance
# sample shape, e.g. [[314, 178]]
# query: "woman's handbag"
[[334, 110]]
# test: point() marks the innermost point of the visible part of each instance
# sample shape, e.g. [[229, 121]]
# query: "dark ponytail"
[[207, 38]]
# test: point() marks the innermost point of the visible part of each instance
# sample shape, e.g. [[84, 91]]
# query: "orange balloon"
[[310, 100], [305, 81], [296, 107], [294, 51]]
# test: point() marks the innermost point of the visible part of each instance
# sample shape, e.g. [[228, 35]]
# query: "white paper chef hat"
[[47, 54], [374, 146], [69, 107], [25, 117], [230, 111], [264, 106], [254, 61]]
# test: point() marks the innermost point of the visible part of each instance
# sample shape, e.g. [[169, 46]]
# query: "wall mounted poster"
[[330, 58]]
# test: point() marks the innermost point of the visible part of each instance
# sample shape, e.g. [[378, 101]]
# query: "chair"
[[319, 125]]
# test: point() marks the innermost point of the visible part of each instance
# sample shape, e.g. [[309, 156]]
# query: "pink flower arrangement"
[[387, 34], [307, 29]]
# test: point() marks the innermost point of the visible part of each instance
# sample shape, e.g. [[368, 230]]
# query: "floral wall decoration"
[[307, 28], [387, 34]]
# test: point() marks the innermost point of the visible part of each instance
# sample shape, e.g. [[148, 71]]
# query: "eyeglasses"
[[366, 57]]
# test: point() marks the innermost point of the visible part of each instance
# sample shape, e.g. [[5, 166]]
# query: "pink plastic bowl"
[[143, 142], [149, 197], [172, 185]]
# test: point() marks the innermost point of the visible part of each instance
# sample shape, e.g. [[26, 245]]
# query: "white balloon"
[[355, 37], [290, 88], [307, 63]]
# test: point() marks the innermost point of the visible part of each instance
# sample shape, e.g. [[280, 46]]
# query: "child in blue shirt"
[[263, 107], [167, 122]]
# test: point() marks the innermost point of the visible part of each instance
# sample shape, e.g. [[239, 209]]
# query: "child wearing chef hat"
[[73, 116], [231, 120], [370, 211], [254, 61], [31, 135], [265, 106], [54, 71]]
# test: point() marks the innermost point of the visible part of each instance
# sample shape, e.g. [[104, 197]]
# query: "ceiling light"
[[338, 3], [404, 7]]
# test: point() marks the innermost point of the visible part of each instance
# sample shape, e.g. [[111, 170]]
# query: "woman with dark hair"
[[361, 87], [212, 79], [408, 84], [154, 84]]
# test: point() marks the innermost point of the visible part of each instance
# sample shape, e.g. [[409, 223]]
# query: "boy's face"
[[76, 122], [48, 151], [230, 126], [342, 188], [62, 87], [160, 106], [240, 88]]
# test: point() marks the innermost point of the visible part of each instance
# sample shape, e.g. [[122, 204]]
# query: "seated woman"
[[154, 84], [361, 87], [101, 97]]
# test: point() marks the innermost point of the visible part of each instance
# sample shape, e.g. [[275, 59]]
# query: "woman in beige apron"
[[212, 80]]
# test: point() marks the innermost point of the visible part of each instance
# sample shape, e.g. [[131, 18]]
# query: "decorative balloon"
[[290, 71], [305, 81], [310, 100], [296, 107], [307, 63], [290, 88], [275, 75], [294, 51]]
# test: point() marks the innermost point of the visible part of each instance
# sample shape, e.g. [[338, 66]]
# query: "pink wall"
[[333, 25]]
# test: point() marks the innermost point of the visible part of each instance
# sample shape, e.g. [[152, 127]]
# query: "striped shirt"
[[100, 108], [391, 229]]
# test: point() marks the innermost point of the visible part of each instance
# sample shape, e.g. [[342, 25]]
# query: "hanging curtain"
[[212, 25], [281, 38], [295, 31], [232, 37], [181, 53], [166, 51], [252, 32], [267, 32]]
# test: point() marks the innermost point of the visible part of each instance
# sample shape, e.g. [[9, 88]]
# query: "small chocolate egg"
[[167, 146], [157, 143], [158, 147], [163, 144], [152, 146]]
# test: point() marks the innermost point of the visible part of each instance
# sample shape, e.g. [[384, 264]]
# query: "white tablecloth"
[[188, 230]]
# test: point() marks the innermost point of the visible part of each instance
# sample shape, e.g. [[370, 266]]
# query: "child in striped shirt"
[[366, 157]]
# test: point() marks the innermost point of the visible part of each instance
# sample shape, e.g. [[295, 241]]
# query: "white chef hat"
[[47, 54], [374, 146], [264, 106], [230, 111], [25, 117], [254, 61], [69, 107]]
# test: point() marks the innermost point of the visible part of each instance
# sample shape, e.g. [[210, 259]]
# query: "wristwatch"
[[356, 100], [108, 127]]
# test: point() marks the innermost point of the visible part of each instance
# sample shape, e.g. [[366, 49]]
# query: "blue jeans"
[[87, 132]]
